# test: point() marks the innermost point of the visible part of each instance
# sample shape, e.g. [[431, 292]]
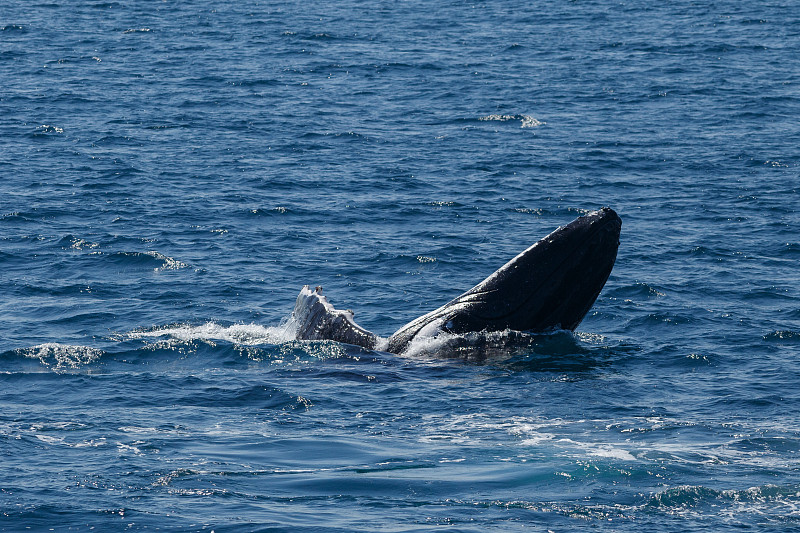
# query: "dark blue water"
[[171, 174]]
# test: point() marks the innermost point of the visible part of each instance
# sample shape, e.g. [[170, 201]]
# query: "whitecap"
[[526, 121], [605, 450], [45, 129], [62, 356], [169, 263], [48, 439]]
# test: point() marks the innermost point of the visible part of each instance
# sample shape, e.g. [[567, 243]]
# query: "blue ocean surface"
[[172, 173]]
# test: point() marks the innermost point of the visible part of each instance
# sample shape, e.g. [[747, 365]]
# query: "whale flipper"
[[550, 285]]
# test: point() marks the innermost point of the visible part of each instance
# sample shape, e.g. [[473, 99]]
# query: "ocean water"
[[172, 173]]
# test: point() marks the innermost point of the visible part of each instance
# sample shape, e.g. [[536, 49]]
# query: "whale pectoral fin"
[[551, 284], [317, 319]]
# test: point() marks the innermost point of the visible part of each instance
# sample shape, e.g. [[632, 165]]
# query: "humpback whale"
[[550, 285]]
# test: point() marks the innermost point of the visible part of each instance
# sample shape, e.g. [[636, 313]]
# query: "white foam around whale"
[[243, 334]]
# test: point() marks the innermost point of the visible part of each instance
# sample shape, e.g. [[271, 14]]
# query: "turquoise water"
[[171, 175]]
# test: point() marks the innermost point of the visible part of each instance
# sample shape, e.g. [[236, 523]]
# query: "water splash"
[[526, 121], [241, 334], [62, 357]]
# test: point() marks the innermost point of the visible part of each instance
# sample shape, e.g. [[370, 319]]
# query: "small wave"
[[668, 318], [61, 357], [408, 261], [638, 290], [16, 216], [550, 212], [318, 36], [693, 496], [526, 121], [76, 243], [279, 210], [444, 203], [46, 130], [393, 465], [791, 249], [254, 396], [529, 211], [348, 136], [168, 263], [696, 360], [770, 502], [158, 261], [783, 336]]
